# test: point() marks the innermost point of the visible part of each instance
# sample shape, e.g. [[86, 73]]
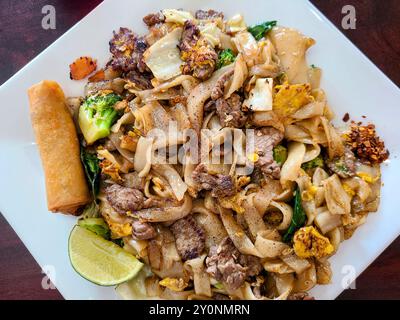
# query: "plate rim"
[[311, 6]]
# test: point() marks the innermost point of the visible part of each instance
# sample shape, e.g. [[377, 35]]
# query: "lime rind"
[[100, 261]]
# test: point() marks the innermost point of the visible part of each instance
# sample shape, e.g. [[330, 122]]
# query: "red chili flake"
[[365, 143]]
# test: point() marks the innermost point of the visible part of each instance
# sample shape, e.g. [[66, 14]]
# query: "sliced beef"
[[230, 113], [121, 47], [140, 46], [220, 296], [202, 61], [225, 263], [257, 176], [218, 91], [209, 106], [190, 36], [189, 238], [108, 145], [124, 199], [199, 56], [252, 264], [345, 166], [141, 80], [127, 49], [142, 230], [122, 41], [116, 85], [265, 139], [219, 184], [154, 18], [208, 15], [257, 292], [132, 180], [300, 296]]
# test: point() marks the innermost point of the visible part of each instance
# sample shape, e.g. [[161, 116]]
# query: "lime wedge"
[[100, 261]]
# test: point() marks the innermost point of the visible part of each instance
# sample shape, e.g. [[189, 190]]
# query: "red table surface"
[[22, 38]]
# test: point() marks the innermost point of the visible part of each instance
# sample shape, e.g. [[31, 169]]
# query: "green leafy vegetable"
[[280, 154], [91, 211], [92, 170], [259, 30], [315, 163], [97, 115], [298, 219], [225, 58], [96, 225], [219, 286], [282, 78], [119, 242]]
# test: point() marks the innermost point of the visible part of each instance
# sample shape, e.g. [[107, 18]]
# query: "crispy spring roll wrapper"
[[59, 149]]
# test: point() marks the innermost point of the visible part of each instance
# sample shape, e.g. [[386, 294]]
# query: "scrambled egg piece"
[[174, 284], [234, 202], [253, 157], [308, 242], [367, 177], [309, 194], [118, 230], [291, 97], [348, 190]]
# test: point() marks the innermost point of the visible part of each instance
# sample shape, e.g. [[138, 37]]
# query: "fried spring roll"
[[58, 144]]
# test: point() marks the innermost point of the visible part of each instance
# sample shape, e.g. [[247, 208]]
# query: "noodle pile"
[[225, 177]]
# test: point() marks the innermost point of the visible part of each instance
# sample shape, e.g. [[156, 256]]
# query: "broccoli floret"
[[315, 163], [280, 154], [225, 58], [97, 115], [259, 30]]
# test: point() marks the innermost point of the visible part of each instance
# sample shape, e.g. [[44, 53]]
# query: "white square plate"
[[353, 84]]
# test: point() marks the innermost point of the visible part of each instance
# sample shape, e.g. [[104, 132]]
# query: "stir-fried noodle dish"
[[206, 150]]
